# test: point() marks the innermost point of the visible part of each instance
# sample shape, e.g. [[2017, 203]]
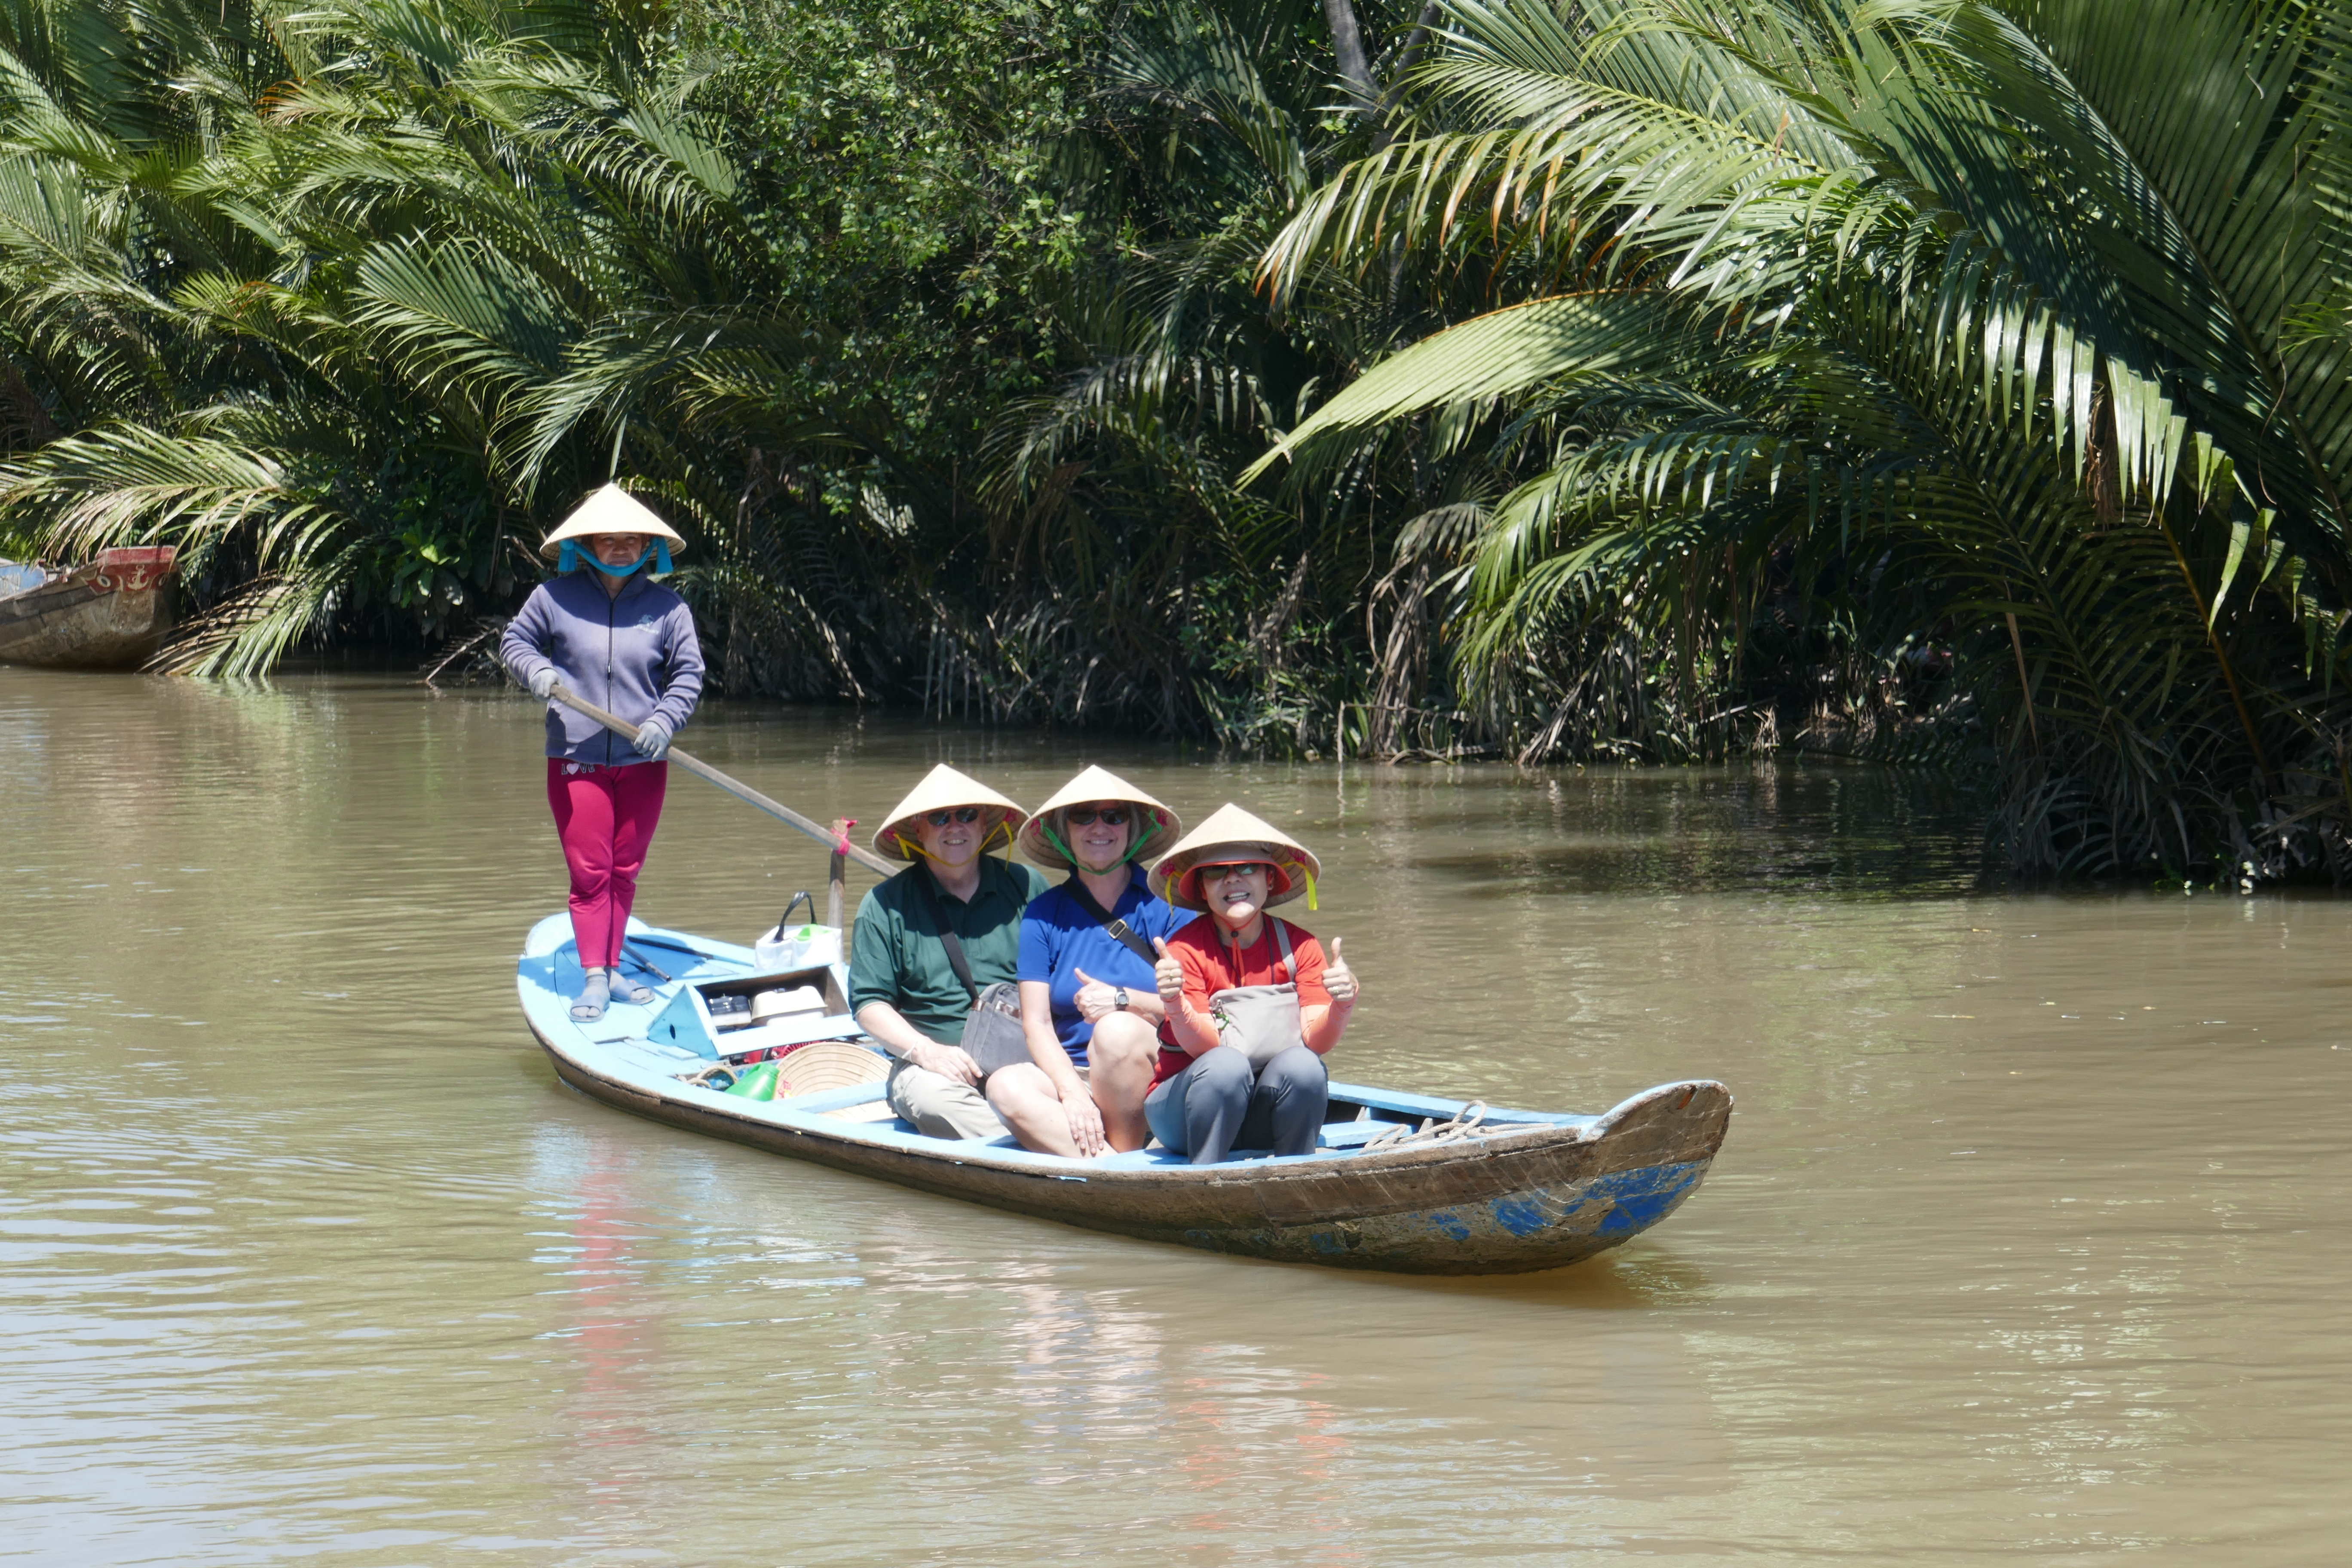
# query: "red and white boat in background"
[[111, 613]]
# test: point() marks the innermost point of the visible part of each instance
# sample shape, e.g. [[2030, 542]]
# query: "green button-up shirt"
[[895, 954]]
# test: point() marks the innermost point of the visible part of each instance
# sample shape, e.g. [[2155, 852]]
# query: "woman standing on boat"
[[1253, 1004], [1089, 1005], [615, 638]]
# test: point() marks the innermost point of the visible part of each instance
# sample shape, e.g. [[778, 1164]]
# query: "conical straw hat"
[[609, 511], [1233, 836], [828, 1064], [1151, 831], [941, 788]]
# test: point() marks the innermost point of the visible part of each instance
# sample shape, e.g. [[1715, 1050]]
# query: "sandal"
[[592, 995]]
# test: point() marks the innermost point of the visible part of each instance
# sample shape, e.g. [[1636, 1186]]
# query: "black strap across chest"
[[947, 937], [1122, 933]]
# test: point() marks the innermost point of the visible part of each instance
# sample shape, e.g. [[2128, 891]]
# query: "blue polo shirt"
[[1058, 937]]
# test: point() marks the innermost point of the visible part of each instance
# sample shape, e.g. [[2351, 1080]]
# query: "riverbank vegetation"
[[1961, 384]]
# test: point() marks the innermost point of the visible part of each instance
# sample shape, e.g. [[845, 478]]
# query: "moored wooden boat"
[[1525, 1190], [109, 614]]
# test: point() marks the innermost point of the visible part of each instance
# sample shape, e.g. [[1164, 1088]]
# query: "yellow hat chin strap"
[[914, 845]]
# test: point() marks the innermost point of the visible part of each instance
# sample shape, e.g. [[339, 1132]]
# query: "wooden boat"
[[109, 613], [1521, 1190]]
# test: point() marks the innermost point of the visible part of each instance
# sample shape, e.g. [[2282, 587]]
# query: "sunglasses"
[[1087, 816], [967, 814]]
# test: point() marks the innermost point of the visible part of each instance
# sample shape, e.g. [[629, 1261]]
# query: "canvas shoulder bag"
[[993, 1035], [1261, 1021]]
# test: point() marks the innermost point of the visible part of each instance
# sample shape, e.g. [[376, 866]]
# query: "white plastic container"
[[789, 1001], [798, 947]]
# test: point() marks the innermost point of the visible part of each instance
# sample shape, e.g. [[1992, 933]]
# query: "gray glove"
[[542, 681], [653, 739]]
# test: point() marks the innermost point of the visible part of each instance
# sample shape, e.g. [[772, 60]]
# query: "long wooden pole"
[[740, 790], [835, 874]]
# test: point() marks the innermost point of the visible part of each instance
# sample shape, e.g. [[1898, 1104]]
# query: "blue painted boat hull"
[[1542, 1190]]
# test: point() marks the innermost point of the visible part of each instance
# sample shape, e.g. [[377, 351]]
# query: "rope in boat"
[[1466, 1124]]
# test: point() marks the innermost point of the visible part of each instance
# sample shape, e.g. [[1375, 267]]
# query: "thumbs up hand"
[[1094, 999], [1338, 978], [1168, 974]]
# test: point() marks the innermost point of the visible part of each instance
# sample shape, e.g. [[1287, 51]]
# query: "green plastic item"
[[759, 1083]]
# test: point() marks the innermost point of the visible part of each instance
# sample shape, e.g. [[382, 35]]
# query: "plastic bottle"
[[759, 1083]]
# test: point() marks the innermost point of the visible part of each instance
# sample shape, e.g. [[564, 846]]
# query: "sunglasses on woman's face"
[[1087, 816], [967, 814]]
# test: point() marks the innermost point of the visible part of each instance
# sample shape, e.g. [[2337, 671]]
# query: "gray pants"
[[1218, 1102], [939, 1106]]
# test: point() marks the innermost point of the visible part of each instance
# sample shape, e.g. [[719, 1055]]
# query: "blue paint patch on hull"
[[1543, 1228], [1640, 1199], [1520, 1216]]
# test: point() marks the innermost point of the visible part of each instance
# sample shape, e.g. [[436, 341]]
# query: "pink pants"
[[605, 818]]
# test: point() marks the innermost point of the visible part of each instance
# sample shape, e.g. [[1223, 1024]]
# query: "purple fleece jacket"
[[635, 655]]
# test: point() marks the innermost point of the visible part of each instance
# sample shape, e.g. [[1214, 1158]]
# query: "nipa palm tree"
[[2018, 329], [345, 298]]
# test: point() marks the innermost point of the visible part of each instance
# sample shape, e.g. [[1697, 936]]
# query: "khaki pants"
[[941, 1107]]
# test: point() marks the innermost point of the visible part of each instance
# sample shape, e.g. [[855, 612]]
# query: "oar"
[[740, 790]]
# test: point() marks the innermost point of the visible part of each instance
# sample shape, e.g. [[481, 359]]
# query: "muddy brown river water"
[[2029, 1242]]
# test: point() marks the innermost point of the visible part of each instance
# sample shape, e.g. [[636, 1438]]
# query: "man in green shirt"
[[902, 987]]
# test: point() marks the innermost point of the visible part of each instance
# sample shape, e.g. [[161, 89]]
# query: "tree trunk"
[[1385, 132], [1348, 43]]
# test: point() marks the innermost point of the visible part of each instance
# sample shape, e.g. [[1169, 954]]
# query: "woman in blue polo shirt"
[[1088, 1000]]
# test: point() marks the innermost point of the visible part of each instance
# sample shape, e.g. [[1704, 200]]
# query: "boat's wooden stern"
[[1523, 1202]]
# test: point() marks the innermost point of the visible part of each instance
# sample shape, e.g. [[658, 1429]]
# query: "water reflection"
[[2021, 1244]]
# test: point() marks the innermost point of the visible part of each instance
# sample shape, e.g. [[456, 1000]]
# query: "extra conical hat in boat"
[[609, 511], [941, 789], [822, 1065], [1155, 826], [1230, 837]]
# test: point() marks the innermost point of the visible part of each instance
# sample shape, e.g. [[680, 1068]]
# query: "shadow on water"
[[1614, 1282], [1799, 826]]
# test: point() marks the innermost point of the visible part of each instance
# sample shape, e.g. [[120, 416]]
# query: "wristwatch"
[[1122, 1003]]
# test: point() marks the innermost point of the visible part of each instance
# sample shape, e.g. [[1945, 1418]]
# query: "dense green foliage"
[[2015, 331], [1955, 380]]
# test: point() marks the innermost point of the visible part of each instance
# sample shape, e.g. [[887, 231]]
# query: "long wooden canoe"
[[1525, 1190], [109, 614]]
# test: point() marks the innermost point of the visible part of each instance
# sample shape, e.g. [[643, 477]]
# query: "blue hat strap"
[[569, 558]]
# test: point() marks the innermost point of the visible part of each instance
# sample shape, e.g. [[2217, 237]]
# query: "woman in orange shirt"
[[1252, 1004]]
